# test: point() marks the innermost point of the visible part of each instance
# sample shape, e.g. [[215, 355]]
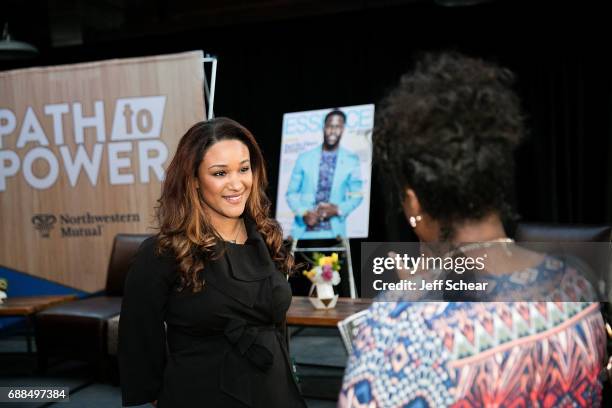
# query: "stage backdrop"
[[83, 150], [349, 183]]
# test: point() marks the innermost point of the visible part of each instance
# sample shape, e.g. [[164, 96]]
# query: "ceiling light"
[[12, 50]]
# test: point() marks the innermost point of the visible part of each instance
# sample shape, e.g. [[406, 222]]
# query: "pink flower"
[[327, 274]]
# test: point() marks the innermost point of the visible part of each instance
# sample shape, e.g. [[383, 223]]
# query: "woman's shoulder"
[[152, 261], [150, 248], [579, 281], [148, 245]]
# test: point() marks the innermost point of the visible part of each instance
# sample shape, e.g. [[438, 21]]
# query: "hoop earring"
[[413, 220]]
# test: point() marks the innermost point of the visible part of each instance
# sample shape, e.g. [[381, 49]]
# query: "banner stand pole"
[[344, 246], [352, 288], [209, 93]]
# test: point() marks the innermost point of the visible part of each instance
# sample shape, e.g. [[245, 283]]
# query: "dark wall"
[[269, 68]]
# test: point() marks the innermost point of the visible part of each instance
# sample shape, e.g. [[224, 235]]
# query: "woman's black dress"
[[223, 346]]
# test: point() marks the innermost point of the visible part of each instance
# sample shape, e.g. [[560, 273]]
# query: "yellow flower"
[[323, 260], [310, 274], [334, 257]]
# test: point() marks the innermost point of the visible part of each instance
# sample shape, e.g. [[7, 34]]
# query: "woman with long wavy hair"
[[205, 301]]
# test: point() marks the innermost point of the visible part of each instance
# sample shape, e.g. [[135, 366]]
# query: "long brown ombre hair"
[[184, 227]]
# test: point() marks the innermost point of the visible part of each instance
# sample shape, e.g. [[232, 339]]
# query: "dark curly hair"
[[448, 131]]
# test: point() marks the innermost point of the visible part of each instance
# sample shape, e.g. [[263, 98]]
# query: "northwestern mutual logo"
[[81, 225], [44, 223]]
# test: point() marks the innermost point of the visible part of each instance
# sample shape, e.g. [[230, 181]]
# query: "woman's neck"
[[226, 227], [486, 229]]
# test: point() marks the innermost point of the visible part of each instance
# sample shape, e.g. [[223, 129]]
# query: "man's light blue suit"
[[346, 191]]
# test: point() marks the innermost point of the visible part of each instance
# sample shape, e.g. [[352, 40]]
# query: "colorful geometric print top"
[[469, 354]]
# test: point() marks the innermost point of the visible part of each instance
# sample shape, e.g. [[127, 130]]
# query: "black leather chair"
[[542, 232], [78, 329], [594, 256]]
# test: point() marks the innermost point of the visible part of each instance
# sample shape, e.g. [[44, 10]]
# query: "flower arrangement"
[[324, 275], [3, 288], [326, 270]]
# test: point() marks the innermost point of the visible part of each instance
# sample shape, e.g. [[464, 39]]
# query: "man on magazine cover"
[[325, 185]]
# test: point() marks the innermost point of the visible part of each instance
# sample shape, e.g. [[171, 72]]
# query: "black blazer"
[[225, 345]]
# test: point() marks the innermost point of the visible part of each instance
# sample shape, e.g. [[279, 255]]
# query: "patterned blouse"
[[462, 354]]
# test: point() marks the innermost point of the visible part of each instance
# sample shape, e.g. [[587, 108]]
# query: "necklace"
[[481, 245], [233, 241]]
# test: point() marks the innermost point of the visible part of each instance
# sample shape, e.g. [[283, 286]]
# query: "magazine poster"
[[325, 173]]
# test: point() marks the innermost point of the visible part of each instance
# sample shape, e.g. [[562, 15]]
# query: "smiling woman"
[[225, 181], [214, 275]]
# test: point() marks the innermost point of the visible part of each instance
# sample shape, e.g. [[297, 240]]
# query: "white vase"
[[322, 296]]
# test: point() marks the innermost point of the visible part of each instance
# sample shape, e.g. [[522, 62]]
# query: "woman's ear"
[[410, 203], [426, 228]]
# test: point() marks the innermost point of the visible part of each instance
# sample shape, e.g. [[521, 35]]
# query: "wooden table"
[[302, 313], [28, 306]]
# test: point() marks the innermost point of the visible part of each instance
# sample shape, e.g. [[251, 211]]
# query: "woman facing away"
[[205, 301], [445, 138]]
